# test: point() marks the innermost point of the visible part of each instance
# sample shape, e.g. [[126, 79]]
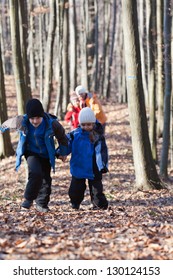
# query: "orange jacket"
[[96, 106]]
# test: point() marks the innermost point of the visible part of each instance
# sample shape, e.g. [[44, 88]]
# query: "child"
[[73, 110], [89, 160], [91, 100], [36, 143]]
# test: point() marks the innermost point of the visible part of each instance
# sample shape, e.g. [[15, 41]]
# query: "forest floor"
[[137, 225]]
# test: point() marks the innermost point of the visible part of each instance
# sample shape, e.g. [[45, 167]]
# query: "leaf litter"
[[137, 225]]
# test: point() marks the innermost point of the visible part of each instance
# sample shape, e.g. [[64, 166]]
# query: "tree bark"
[[72, 43], [6, 148], [17, 58], [167, 89], [160, 89], [49, 56], [145, 170]]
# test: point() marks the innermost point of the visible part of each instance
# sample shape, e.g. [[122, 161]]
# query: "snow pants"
[[77, 191], [38, 187]]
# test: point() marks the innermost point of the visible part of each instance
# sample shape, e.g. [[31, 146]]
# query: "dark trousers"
[[77, 191], [39, 181]]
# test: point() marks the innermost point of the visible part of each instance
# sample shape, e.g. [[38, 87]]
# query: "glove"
[[104, 170], [57, 155], [3, 129]]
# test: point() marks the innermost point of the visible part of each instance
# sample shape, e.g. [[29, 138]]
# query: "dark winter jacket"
[[84, 147], [30, 142]]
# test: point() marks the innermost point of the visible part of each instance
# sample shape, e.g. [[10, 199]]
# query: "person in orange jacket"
[[73, 109], [91, 100]]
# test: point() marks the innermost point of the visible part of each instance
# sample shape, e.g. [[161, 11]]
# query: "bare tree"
[[145, 170], [65, 63], [31, 47], [167, 90], [151, 27], [17, 57], [83, 45], [49, 55], [59, 46], [160, 89], [6, 148], [24, 44], [72, 43]]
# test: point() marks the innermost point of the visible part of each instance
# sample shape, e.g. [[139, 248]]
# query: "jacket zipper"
[[36, 141]]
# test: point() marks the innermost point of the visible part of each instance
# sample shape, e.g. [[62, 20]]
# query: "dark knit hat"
[[34, 108]]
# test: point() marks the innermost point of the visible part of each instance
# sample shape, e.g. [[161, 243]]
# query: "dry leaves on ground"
[[137, 225]]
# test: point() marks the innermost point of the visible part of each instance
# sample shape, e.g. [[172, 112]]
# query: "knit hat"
[[73, 97], [34, 108], [80, 90], [86, 115]]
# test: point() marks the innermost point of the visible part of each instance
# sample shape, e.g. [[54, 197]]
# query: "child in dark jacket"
[[89, 159], [36, 143]]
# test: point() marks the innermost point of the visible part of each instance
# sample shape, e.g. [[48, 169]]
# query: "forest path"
[[137, 225]]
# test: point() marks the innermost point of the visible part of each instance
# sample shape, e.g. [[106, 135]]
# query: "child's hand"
[[104, 170]]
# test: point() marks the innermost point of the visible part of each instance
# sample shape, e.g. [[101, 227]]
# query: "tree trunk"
[[59, 39], [31, 47], [160, 90], [72, 43], [151, 39], [65, 64], [24, 45], [6, 148], [17, 58], [94, 71], [168, 85], [145, 170], [111, 51], [83, 73], [49, 56], [142, 34]]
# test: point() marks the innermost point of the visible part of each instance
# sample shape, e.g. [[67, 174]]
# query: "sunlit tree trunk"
[[151, 41], [6, 148], [41, 56], [160, 89], [145, 170], [110, 58], [58, 54], [17, 58], [65, 64], [106, 43], [95, 78], [167, 89], [49, 56], [24, 45], [83, 73], [72, 43], [142, 36], [31, 47], [171, 123]]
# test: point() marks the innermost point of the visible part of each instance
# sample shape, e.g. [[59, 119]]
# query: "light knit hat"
[[73, 97], [80, 90], [86, 115]]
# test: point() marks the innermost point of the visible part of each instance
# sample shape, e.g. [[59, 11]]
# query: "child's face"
[[75, 103], [82, 96], [35, 121], [87, 126]]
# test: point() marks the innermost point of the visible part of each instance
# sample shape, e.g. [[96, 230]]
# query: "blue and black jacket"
[[31, 142], [86, 148]]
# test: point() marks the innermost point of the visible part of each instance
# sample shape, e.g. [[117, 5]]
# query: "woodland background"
[[122, 50]]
